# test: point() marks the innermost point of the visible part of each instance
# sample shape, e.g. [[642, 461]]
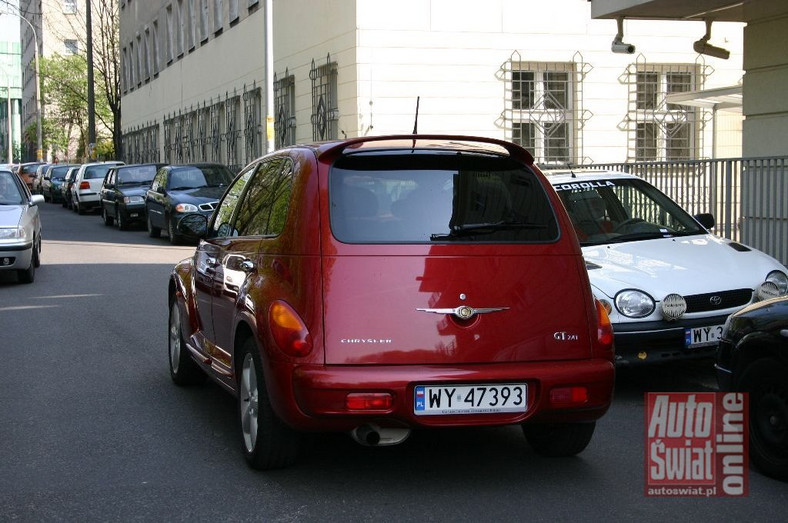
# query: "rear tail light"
[[288, 329], [564, 396], [369, 401], [84, 185], [604, 329]]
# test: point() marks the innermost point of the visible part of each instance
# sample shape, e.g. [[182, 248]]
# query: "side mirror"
[[37, 199], [705, 219], [193, 226]]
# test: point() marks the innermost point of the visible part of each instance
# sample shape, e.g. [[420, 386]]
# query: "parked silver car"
[[20, 227]]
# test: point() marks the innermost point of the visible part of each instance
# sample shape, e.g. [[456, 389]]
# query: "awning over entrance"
[[720, 98]]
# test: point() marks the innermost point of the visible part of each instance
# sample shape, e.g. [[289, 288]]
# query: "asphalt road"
[[92, 429]]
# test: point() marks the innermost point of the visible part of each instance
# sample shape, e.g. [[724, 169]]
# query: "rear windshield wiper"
[[469, 229]]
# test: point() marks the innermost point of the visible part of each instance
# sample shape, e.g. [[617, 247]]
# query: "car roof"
[[565, 176]]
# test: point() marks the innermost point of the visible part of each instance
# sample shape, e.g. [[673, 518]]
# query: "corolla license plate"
[[702, 336], [470, 399]]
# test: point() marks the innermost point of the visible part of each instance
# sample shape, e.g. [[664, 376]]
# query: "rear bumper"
[[313, 397]]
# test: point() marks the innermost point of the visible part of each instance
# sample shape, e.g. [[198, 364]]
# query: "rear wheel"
[[558, 439], [153, 232], [183, 369], [766, 380], [267, 442]]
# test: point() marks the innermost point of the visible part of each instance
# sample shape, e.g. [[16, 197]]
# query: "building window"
[[205, 20], [284, 110], [155, 52], [659, 130], [541, 110], [325, 110], [218, 15], [170, 34], [181, 28], [69, 7], [233, 11], [71, 47]]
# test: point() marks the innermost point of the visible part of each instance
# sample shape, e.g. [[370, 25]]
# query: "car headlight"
[[776, 284], [186, 207], [12, 234], [633, 303], [133, 199]]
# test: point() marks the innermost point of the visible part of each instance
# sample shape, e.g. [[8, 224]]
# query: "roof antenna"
[[571, 170], [416, 122]]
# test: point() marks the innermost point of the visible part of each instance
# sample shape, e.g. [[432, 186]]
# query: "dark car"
[[51, 185], [123, 193], [178, 190], [65, 188], [382, 284], [753, 357], [27, 171]]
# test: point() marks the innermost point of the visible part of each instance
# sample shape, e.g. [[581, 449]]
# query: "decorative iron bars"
[[284, 110], [141, 144], [325, 111], [543, 107], [212, 132], [657, 130]]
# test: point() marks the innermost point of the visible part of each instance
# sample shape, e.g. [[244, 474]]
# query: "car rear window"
[[96, 171], [437, 198]]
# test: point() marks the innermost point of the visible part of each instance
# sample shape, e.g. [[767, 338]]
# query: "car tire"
[[183, 369], [558, 439], [29, 275], [765, 381], [108, 220], [267, 443], [175, 238], [153, 232], [119, 221], [37, 253]]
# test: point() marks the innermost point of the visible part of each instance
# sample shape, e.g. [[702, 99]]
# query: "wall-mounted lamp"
[[618, 46], [703, 46]]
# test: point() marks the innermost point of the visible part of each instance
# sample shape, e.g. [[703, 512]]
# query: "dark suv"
[[178, 190], [378, 285]]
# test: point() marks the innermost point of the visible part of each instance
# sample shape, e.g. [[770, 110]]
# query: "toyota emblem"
[[715, 300]]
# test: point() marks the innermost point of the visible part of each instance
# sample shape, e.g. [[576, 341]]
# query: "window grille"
[[284, 109], [253, 109], [232, 109], [543, 107], [325, 111], [657, 130]]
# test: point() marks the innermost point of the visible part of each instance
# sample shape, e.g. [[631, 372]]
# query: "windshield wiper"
[[635, 236], [469, 229]]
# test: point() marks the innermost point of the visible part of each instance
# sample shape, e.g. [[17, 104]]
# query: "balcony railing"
[[747, 196]]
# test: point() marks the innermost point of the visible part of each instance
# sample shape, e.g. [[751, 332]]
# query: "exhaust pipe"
[[372, 435]]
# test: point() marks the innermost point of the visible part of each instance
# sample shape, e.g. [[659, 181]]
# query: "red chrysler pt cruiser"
[[381, 284]]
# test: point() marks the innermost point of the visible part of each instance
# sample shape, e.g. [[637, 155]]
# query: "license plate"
[[702, 336], [470, 399], [133, 214]]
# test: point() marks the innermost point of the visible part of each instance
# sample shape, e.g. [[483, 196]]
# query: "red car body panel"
[[359, 303]]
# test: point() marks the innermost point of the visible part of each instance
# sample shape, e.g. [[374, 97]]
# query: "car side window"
[[110, 180], [263, 211], [222, 223]]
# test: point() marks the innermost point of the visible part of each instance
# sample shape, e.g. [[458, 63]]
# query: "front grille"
[[208, 206], [715, 301]]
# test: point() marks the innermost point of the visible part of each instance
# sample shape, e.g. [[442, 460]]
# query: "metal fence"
[[747, 196]]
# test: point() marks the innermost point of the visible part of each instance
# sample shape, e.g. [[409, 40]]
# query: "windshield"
[[616, 210], [136, 175], [192, 177], [433, 198]]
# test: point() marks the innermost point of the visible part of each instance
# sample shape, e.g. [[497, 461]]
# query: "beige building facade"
[[195, 87]]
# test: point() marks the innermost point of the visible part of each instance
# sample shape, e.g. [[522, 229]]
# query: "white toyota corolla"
[[667, 283]]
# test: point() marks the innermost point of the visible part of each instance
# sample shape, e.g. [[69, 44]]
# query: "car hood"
[[11, 215], [198, 195], [134, 190], [683, 265]]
